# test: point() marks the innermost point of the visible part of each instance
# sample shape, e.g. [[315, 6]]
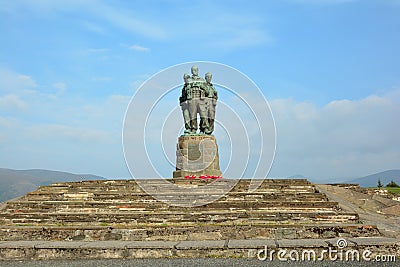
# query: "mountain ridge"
[[15, 183], [372, 179]]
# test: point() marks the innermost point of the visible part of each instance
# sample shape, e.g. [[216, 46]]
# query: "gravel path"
[[347, 199]]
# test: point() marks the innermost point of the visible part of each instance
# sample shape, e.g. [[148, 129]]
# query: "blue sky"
[[329, 69]]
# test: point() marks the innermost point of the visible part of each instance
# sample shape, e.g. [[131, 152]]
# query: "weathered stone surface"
[[178, 232], [333, 242], [144, 249], [104, 244], [152, 244], [21, 244], [304, 243], [290, 233], [119, 210], [203, 244], [60, 244], [364, 241], [197, 155], [251, 243]]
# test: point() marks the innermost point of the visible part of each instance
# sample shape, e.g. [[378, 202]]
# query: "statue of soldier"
[[197, 101], [184, 103], [211, 102]]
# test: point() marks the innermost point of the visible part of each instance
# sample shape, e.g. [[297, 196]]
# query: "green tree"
[[379, 183], [392, 184]]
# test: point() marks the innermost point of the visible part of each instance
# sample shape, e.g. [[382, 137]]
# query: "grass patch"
[[213, 256], [23, 224], [393, 190], [236, 256]]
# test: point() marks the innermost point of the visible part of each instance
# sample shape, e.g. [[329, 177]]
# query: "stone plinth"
[[197, 155]]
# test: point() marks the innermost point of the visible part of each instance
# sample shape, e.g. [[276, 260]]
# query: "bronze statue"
[[211, 103], [184, 103], [199, 96]]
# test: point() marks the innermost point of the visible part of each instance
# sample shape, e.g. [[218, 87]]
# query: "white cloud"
[[49, 132], [342, 139], [223, 28], [12, 102], [128, 21], [60, 86], [94, 27], [11, 81], [118, 100], [6, 122], [116, 17], [67, 134], [139, 48]]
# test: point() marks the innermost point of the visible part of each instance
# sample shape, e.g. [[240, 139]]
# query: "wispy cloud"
[[139, 48], [127, 21], [60, 86], [116, 17], [343, 138], [223, 29], [69, 133], [94, 27], [11, 81], [12, 102]]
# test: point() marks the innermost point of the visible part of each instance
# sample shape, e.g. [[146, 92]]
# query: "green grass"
[[393, 190]]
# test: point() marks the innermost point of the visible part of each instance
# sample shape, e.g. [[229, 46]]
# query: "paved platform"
[[45, 250]]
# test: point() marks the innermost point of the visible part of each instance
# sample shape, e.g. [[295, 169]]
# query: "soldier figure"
[[197, 102], [184, 103], [211, 103]]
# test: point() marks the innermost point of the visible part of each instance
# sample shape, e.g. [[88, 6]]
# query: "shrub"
[[392, 184]]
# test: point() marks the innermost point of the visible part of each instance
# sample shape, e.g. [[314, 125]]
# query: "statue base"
[[197, 155]]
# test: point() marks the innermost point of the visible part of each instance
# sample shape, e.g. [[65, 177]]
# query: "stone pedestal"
[[197, 155]]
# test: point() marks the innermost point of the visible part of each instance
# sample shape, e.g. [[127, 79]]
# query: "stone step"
[[229, 252], [97, 191], [171, 190], [133, 184], [88, 216], [190, 232], [104, 196], [121, 210], [21, 206]]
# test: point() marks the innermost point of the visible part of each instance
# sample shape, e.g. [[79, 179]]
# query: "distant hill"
[[15, 183], [372, 180]]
